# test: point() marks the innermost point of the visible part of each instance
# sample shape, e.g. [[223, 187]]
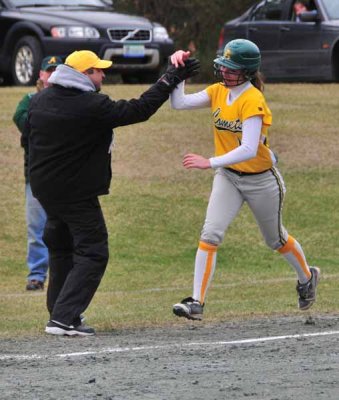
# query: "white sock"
[[205, 262], [293, 253]]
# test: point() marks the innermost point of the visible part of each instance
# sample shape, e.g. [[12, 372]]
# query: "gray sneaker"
[[57, 328], [189, 308], [308, 291]]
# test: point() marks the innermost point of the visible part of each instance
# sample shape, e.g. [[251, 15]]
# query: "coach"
[[70, 137]]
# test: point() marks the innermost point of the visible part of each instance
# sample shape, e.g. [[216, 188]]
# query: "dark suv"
[[33, 29], [294, 47]]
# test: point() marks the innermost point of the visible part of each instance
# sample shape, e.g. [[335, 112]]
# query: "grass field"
[[156, 209]]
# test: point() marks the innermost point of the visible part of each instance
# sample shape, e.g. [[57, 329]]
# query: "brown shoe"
[[35, 285]]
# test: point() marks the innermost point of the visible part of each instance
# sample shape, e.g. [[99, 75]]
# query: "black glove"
[[174, 75]]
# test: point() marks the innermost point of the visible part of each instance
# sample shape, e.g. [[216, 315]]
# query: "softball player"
[[245, 170]]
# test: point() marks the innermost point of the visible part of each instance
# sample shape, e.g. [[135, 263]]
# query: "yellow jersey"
[[227, 125]]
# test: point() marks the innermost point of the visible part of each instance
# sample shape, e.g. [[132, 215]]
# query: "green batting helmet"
[[240, 54]]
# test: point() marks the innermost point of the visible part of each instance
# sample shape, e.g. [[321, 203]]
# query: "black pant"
[[76, 237]]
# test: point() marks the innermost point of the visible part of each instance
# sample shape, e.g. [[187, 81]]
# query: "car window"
[[28, 3], [332, 8], [268, 10], [301, 6]]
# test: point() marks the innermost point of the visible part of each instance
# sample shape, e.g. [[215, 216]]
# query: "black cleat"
[[308, 291], [189, 308]]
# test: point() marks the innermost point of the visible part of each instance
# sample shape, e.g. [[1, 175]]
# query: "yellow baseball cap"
[[85, 59]]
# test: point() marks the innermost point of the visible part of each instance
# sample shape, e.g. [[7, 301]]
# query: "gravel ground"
[[191, 360]]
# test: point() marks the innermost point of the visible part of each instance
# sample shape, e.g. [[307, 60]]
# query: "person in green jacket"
[[37, 253]]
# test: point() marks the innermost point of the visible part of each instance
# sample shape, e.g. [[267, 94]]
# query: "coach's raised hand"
[[174, 75]]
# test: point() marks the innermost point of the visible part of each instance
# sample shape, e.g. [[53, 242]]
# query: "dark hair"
[[50, 69], [258, 80]]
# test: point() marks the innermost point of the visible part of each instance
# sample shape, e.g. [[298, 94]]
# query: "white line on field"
[[167, 346], [252, 282]]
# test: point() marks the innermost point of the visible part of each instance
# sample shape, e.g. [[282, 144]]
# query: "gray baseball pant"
[[264, 194]]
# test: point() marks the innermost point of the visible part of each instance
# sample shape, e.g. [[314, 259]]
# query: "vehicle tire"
[[26, 61], [335, 63]]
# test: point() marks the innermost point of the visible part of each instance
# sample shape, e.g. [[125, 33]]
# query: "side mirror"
[[309, 16]]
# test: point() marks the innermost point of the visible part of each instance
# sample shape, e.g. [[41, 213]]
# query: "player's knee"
[[212, 237], [274, 244]]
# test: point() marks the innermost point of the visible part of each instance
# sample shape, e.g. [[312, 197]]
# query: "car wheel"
[[335, 63], [26, 61]]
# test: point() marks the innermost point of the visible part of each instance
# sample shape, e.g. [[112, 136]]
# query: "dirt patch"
[[280, 358]]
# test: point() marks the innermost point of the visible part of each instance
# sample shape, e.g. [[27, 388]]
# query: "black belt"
[[240, 173]]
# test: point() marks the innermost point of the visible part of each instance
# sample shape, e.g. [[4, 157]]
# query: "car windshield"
[[71, 3], [332, 8]]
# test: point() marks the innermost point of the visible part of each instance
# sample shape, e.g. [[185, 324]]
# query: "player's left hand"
[[196, 161]]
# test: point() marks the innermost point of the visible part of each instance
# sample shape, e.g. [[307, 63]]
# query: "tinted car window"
[[308, 6], [332, 8], [296, 43], [268, 10], [26, 3]]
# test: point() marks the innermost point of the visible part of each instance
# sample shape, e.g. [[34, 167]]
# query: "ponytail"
[[258, 81]]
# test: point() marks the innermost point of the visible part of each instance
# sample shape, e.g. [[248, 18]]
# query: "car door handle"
[[253, 29], [285, 29]]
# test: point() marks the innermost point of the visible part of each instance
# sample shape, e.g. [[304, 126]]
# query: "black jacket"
[[70, 132]]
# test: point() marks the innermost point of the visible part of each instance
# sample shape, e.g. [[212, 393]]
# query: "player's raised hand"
[[179, 57], [196, 161]]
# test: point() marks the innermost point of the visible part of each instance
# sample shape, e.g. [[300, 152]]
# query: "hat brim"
[[50, 66], [227, 63], [103, 64]]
